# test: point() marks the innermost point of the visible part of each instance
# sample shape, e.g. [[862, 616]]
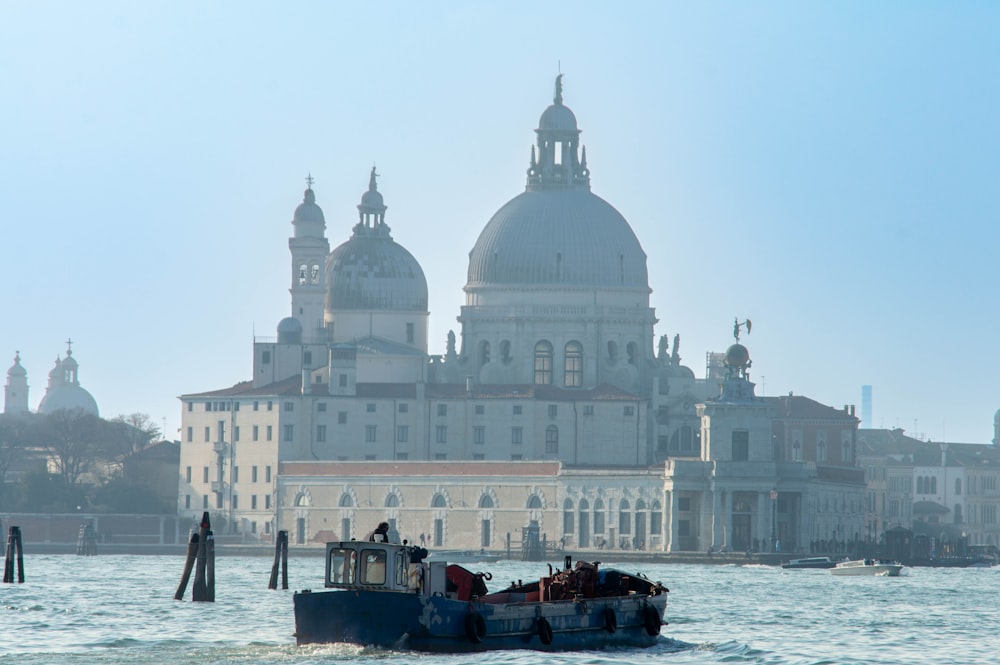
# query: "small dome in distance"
[[16, 369], [289, 331]]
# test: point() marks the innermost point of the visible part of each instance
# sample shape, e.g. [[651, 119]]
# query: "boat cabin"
[[358, 564]]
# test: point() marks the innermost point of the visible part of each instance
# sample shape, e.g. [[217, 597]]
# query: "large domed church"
[[549, 412]]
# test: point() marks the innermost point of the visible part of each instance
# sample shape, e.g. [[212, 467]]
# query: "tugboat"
[[386, 595]]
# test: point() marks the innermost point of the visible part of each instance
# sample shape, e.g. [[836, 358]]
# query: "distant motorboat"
[[869, 567], [463, 556], [810, 562]]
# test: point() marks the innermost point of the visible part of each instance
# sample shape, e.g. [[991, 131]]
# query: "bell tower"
[[309, 249]]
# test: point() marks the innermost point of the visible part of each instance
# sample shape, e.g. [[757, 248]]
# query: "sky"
[[827, 170]]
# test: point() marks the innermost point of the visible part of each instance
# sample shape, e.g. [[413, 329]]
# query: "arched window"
[[438, 501], [624, 518], [484, 352], [632, 349], [534, 503], [574, 365], [551, 440], [598, 516], [485, 501], [314, 276], [505, 356], [543, 363], [655, 519], [568, 516], [958, 487], [933, 485], [392, 501], [303, 274], [346, 501], [612, 352], [821, 451], [796, 452], [302, 500]]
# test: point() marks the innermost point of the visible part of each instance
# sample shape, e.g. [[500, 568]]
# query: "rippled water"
[[120, 610]]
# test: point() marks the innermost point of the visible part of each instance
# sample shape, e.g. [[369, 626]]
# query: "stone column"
[[669, 507]]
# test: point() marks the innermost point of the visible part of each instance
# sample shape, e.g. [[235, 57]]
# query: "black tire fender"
[[544, 630], [651, 620], [475, 627], [610, 619]]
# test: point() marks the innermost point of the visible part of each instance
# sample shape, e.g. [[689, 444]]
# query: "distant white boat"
[[463, 556], [869, 567], [810, 562]]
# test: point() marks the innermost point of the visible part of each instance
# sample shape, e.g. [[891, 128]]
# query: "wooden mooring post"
[[280, 554], [14, 551], [201, 557], [86, 544]]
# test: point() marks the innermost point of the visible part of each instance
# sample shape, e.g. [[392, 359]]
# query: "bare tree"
[[135, 432], [72, 439]]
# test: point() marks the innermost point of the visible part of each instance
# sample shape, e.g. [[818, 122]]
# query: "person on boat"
[[380, 534]]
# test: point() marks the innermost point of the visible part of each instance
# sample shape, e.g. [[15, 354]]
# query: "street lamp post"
[[774, 519]]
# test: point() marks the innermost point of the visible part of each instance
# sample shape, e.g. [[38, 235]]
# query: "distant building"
[[551, 404], [63, 391]]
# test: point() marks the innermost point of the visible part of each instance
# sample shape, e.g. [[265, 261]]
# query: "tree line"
[[72, 461]]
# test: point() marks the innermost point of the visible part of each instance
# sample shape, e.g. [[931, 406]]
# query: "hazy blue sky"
[[828, 170]]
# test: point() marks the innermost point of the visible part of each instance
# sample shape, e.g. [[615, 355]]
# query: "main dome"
[[558, 237], [558, 233]]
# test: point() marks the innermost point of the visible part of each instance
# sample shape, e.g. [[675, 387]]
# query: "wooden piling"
[[199, 590], [280, 557], [86, 544], [14, 552], [192, 552], [210, 567]]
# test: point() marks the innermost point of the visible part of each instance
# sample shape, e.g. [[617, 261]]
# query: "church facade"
[[550, 409]]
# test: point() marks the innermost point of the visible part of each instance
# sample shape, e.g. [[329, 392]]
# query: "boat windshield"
[[342, 565]]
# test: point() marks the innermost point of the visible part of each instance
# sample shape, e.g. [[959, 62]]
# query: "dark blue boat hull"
[[438, 624]]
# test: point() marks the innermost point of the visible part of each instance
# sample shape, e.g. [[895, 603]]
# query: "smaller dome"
[[16, 369], [68, 397], [372, 199], [308, 211], [737, 356], [558, 118], [289, 331]]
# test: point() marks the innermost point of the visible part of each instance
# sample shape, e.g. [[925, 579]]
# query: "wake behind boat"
[[870, 567], [384, 594]]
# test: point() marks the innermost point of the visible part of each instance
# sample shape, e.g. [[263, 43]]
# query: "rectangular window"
[[551, 440], [222, 430], [270, 433], [267, 474], [321, 407], [683, 528], [370, 433], [741, 446], [402, 456], [516, 435], [307, 358], [265, 357], [190, 434], [267, 502], [253, 473], [370, 407], [218, 501], [588, 409], [270, 405], [404, 408], [256, 433], [289, 406], [370, 458], [517, 409], [479, 457], [289, 433], [190, 406], [442, 434], [204, 474], [187, 500], [208, 433], [409, 333], [253, 502], [256, 405], [553, 410], [236, 474], [516, 458], [236, 406], [480, 409], [442, 409], [321, 433], [440, 456], [236, 433], [629, 410], [479, 436], [342, 380], [684, 504], [208, 406], [187, 475], [402, 433], [236, 501], [204, 502], [342, 417]]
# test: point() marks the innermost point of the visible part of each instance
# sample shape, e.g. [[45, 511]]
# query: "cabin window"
[[373, 566], [342, 566]]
